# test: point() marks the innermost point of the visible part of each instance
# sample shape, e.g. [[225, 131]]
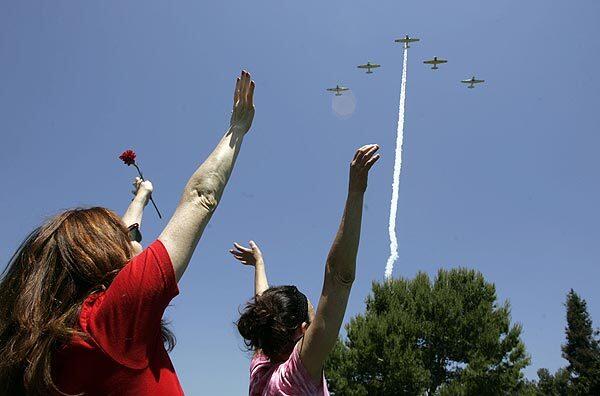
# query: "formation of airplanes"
[[406, 40]]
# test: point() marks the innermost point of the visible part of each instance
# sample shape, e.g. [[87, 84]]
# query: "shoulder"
[[292, 376], [259, 363]]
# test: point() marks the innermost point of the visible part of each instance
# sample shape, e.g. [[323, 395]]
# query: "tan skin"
[[320, 337], [204, 189]]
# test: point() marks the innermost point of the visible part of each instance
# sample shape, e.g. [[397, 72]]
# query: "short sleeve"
[[258, 363], [125, 320], [292, 378]]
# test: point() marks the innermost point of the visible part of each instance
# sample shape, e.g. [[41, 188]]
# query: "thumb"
[[254, 247]]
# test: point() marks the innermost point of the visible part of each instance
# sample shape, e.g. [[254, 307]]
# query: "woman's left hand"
[[247, 256], [142, 188]]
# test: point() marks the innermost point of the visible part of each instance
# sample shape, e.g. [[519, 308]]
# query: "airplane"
[[338, 90], [435, 61], [369, 66], [472, 81], [405, 40]]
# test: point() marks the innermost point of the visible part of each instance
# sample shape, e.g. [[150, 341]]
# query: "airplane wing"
[[430, 62], [442, 61], [466, 81], [363, 66], [477, 81], [331, 89], [343, 89], [373, 65]]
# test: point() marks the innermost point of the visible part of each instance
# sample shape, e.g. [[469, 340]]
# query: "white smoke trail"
[[389, 267]]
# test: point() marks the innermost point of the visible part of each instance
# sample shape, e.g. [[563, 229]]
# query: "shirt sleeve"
[[259, 361], [292, 378], [125, 320]]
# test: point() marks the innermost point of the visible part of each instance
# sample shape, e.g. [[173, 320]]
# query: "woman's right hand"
[[363, 160], [247, 256]]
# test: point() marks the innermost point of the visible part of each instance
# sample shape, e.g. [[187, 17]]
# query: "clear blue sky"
[[502, 178]]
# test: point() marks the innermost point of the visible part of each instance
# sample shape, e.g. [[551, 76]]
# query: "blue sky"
[[502, 178]]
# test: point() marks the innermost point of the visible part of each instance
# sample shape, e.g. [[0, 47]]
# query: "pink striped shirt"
[[283, 379]]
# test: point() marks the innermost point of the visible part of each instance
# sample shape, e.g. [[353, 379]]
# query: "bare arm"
[[339, 270], [142, 191], [253, 256], [203, 191]]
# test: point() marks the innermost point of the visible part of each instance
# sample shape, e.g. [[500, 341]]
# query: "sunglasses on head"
[[134, 233]]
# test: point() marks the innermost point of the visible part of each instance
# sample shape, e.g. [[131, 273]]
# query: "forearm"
[[134, 211], [260, 278], [211, 177], [341, 261], [200, 198]]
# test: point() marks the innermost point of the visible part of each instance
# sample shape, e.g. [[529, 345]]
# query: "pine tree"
[[553, 385], [582, 349], [446, 337]]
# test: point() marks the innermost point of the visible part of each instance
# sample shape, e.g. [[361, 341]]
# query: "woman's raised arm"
[[322, 334], [203, 191], [142, 190], [252, 256]]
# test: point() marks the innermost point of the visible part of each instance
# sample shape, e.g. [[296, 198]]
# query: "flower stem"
[[151, 199]]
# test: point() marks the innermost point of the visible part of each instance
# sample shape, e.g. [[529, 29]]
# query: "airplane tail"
[[369, 72], [434, 67]]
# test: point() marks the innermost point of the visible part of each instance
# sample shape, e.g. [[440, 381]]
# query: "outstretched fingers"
[[363, 153], [371, 161], [241, 248], [369, 153]]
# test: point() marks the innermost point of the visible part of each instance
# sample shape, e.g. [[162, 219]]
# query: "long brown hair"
[[56, 267]]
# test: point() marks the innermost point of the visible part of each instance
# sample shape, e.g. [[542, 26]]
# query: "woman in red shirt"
[[80, 312]]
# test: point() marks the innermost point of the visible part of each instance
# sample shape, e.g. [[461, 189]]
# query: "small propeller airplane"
[[406, 40], [435, 61], [369, 66], [338, 90], [472, 81]]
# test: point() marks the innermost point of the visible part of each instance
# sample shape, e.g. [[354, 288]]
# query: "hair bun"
[[269, 322]]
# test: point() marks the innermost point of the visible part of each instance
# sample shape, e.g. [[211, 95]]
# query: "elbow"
[[342, 277], [204, 195]]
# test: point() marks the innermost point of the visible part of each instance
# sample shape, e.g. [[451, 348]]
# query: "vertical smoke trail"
[[397, 168]]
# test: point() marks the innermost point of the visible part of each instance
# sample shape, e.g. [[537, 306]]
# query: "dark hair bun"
[[269, 321]]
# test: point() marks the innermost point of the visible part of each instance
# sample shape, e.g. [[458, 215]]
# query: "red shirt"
[[124, 353]]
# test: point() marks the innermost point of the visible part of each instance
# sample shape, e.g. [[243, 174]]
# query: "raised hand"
[[247, 256], [142, 188], [363, 160], [243, 103]]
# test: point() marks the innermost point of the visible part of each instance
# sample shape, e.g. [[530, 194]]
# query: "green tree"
[[553, 385], [582, 349], [446, 337]]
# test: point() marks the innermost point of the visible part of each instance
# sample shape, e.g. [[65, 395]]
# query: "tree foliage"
[[446, 337], [582, 349]]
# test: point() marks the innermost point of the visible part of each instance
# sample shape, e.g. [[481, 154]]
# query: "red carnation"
[[128, 157]]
